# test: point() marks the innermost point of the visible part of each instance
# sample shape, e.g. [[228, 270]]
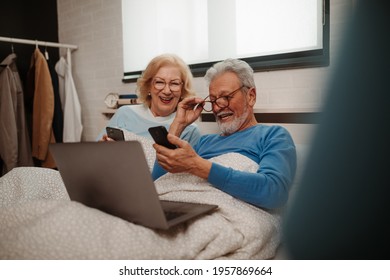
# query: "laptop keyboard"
[[169, 215]]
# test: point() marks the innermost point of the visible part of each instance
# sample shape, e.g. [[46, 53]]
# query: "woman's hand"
[[105, 138]]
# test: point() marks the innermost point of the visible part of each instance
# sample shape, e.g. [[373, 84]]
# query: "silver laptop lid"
[[111, 176]]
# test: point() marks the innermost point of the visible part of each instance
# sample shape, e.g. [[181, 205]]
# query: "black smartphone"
[[115, 133], [159, 134]]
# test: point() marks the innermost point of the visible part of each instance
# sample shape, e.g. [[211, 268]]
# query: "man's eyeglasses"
[[174, 85], [222, 101]]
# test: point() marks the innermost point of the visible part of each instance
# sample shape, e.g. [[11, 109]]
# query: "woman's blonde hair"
[[144, 83]]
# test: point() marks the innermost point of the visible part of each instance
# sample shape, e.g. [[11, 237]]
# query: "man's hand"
[[187, 112], [182, 159]]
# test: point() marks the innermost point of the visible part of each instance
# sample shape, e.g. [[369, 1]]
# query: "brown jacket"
[[43, 111]]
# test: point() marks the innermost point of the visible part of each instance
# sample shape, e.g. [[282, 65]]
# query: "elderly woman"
[[164, 83]]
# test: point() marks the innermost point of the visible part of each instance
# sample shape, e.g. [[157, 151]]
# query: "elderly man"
[[232, 96]]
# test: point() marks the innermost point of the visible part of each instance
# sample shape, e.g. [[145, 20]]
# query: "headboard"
[[301, 125]]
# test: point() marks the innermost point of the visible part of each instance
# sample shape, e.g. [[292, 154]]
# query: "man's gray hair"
[[239, 67]]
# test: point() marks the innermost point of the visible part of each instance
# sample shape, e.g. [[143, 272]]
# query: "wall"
[[95, 26]]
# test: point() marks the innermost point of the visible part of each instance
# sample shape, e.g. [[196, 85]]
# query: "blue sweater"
[[270, 146]]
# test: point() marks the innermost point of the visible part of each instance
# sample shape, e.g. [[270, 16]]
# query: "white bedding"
[[38, 221]]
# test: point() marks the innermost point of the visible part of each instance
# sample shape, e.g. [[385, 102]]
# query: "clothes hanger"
[[12, 47], [46, 53]]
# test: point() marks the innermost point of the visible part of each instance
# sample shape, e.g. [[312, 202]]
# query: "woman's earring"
[[149, 94]]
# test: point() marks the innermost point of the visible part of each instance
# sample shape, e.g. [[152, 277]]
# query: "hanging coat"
[[70, 101], [15, 147], [43, 110]]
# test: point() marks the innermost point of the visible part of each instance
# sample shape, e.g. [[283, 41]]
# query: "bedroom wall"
[[95, 26]]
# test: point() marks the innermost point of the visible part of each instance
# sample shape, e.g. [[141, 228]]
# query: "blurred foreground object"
[[341, 207]]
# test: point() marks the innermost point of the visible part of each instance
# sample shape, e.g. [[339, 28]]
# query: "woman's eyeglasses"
[[222, 101], [174, 85]]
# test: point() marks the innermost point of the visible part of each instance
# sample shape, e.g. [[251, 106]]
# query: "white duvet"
[[38, 221]]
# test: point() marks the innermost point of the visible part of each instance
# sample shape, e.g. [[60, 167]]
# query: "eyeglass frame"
[[227, 97], [180, 84]]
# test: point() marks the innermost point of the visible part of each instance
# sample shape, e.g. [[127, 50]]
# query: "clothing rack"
[[36, 43]]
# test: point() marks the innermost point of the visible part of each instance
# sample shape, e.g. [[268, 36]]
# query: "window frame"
[[283, 61]]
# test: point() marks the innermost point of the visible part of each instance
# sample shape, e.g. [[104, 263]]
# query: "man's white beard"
[[232, 126]]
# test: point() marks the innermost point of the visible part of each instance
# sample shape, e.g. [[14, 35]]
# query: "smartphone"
[[115, 133], [159, 134]]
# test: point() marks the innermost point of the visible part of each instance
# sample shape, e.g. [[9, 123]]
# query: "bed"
[[39, 221]]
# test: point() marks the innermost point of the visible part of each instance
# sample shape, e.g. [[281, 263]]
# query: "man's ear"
[[251, 96]]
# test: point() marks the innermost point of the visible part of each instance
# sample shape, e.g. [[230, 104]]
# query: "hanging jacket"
[[70, 101], [43, 110], [15, 149]]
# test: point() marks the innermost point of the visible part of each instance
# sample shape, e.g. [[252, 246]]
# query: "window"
[[268, 34]]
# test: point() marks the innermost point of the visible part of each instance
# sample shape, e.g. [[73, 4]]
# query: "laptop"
[[114, 177]]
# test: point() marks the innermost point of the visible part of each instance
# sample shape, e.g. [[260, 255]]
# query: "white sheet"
[[38, 221]]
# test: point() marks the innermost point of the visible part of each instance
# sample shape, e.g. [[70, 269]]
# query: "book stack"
[[127, 99]]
